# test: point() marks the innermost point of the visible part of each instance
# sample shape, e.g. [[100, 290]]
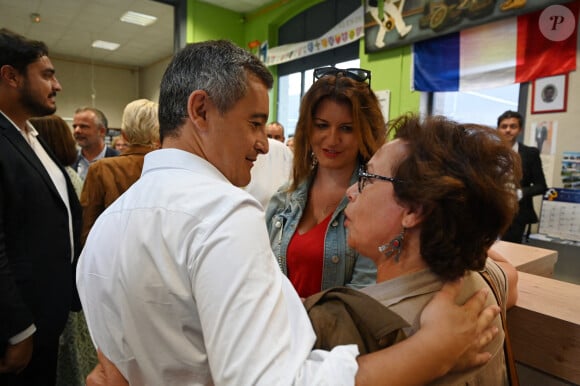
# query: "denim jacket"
[[342, 264]]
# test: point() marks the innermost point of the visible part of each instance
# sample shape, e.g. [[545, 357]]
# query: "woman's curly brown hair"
[[464, 179]]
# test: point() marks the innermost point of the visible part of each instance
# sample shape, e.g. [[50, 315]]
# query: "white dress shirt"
[[270, 172], [180, 287], [84, 163], [516, 148]]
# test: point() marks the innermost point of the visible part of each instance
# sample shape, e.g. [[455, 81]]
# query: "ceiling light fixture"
[[138, 18], [105, 45], [35, 17]]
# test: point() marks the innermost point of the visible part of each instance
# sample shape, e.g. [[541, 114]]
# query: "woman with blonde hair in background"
[[119, 143], [110, 177]]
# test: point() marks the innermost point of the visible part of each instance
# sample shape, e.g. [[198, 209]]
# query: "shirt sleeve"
[[22, 335], [16, 317], [254, 325], [537, 179]]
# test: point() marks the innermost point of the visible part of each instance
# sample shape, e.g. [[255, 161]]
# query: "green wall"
[[208, 22], [391, 69], [263, 25]]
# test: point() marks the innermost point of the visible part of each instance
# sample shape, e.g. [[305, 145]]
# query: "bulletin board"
[[560, 214]]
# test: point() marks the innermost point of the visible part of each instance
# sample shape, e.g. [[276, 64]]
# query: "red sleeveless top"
[[304, 259]]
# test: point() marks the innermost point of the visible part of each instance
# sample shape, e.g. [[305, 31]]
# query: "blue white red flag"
[[514, 50]]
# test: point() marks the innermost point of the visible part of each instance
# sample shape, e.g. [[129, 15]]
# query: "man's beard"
[[32, 103]]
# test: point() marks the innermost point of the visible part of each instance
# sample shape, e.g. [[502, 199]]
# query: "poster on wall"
[[571, 169], [395, 23], [548, 163], [542, 135], [384, 97]]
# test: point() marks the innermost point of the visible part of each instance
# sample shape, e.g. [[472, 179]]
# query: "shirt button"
[[335, 259], [278, 224], [335, 223]]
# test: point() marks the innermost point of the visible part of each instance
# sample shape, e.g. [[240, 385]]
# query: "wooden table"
[[544, 325], [529, 259]]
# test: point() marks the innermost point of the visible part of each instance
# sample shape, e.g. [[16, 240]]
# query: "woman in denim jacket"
[[339, 129]]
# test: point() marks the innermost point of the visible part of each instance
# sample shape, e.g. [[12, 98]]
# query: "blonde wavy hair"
[[140, 123]]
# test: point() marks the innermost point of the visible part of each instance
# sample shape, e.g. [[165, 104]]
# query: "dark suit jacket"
[[533, 182], [36, 272]]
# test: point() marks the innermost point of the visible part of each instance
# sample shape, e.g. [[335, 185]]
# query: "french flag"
[[513, 50]]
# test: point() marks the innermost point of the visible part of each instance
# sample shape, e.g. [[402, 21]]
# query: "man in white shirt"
[[275, 130], [177, 279], [270, 172]]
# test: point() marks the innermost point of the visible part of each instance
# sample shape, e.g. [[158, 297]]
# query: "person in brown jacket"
[[110, 177]]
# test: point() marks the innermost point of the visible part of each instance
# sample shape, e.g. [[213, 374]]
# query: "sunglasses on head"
[[358, 74]]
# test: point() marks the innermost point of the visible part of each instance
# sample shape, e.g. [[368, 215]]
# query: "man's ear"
[[9, 75], [198, 105], [103, 131]]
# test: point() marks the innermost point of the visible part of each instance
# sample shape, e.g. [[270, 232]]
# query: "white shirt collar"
[[32, 129]]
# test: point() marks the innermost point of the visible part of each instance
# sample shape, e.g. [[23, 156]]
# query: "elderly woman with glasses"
[[426, 209], [339, 128]]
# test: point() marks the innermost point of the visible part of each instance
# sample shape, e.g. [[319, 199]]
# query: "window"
[[295, 77], [483, 106]]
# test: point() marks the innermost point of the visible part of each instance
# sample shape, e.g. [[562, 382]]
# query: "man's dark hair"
[[511, 114], [18, 51], [218, 67]]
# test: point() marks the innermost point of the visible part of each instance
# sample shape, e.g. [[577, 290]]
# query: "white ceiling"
[[68, 27]]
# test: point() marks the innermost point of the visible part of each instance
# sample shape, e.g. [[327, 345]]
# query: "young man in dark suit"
[[40, 219], [533, 182]]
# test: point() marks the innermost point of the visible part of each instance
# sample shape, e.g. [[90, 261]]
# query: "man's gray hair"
[[100, 118], [218, 67]]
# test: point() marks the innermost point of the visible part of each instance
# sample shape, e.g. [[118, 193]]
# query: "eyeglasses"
[[364, 177], [358, 74]]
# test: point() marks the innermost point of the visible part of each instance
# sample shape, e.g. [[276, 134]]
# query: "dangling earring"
[[314, 160], [394, 247]]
